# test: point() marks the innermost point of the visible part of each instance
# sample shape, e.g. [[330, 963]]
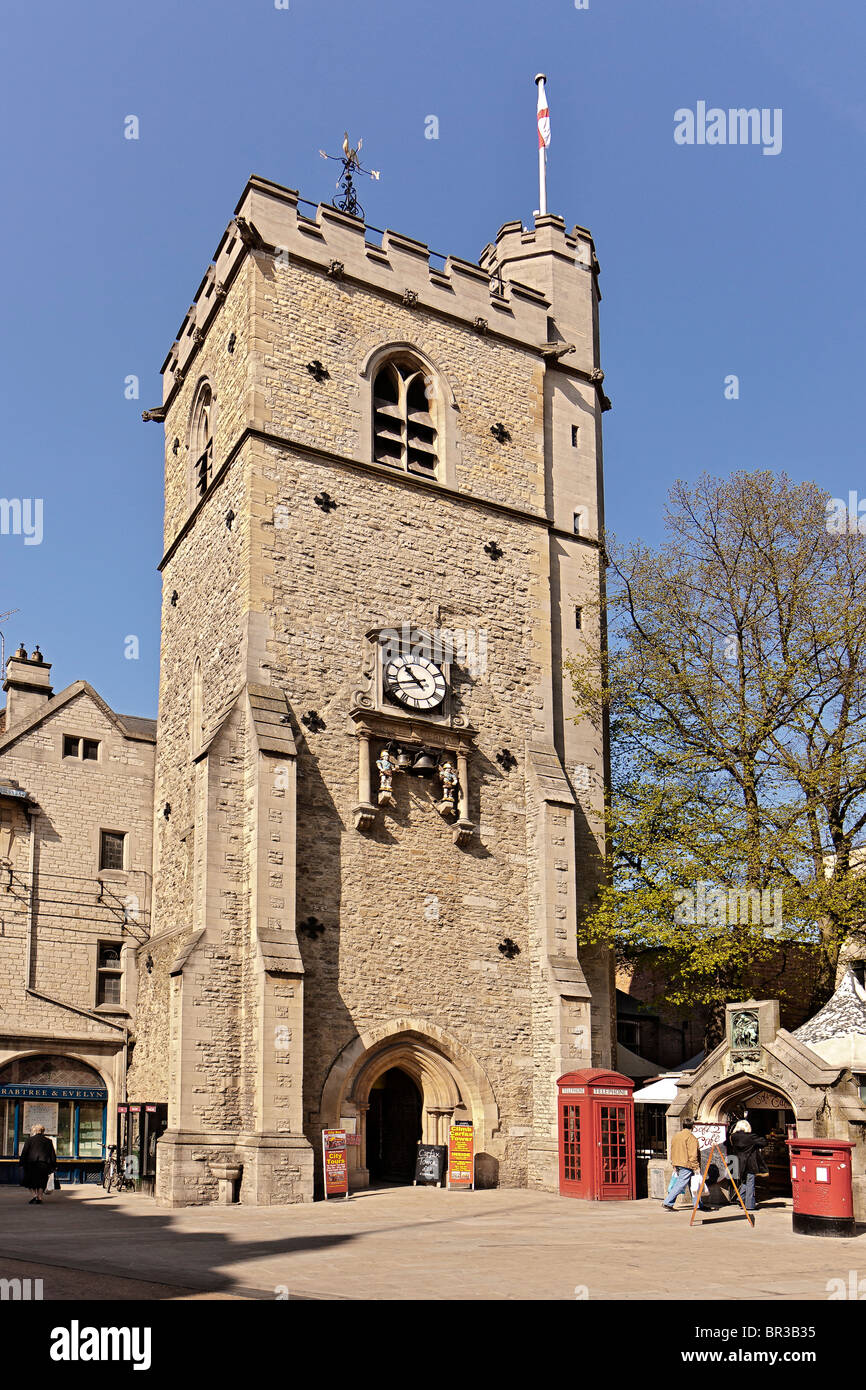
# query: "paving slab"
[[424, 1243]]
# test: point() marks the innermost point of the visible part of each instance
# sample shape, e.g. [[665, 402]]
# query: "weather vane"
[[348, 202]]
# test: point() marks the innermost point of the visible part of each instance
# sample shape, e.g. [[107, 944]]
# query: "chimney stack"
[[27, 685]]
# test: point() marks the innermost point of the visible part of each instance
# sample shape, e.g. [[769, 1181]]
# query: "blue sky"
[[715, 260]]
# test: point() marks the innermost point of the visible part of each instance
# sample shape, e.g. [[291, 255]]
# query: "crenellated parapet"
[[507, 295], [564, 268]]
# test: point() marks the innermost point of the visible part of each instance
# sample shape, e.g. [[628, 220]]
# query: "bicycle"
[[116, 1173]]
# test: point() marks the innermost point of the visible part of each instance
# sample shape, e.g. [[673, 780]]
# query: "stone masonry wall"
[[348, 322], [413, 923], [229, 374]]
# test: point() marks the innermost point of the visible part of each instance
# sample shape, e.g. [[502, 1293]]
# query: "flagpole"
[[542, 161]]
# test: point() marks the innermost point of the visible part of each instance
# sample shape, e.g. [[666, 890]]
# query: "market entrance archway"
[[769, 1111]]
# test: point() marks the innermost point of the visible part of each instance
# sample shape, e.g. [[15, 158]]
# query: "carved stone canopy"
[[412, 730]]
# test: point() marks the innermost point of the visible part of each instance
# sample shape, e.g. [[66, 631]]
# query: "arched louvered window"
[[201, 438], [405, 433]]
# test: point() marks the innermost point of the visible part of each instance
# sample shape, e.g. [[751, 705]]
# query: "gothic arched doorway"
[[447, 1084], [393, 1127]]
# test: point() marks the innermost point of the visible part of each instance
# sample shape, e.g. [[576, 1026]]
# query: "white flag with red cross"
[[543, 118]]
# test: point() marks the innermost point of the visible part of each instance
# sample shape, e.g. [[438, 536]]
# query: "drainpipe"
[[32, 813]]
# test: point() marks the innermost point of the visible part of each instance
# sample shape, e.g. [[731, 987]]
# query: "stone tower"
[[383, 493]]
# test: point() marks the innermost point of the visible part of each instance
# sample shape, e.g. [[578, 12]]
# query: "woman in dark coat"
[[38, 1159], [747, 1146]]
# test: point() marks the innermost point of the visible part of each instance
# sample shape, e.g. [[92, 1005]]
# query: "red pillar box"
[[596, 1135], [821, 1184]]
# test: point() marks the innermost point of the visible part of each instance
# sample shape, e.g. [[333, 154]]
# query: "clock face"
[[415, 681]]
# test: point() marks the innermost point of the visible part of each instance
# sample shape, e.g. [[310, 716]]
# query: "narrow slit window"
[[201, 438], [575, 436], [109, 974], [578, 618]]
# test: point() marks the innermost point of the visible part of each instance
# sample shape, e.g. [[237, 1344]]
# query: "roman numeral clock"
[[415, 682], [408, 726]]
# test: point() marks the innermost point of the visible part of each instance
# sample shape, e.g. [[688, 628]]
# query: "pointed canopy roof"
[[841, 1016]]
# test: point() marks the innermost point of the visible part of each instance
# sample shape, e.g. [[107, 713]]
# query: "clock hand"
[[425, 680]]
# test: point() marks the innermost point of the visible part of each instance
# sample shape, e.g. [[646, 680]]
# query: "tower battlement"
[[564, 268], [514, 242], [490, 296]]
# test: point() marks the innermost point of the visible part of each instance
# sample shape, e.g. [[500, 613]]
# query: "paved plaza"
[[412, 1243]]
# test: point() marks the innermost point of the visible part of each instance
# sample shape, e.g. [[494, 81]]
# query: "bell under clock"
[[414, 681]]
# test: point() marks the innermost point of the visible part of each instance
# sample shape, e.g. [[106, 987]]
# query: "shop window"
[[112, 844], [75, 1122], [64, 1130], [90, 1131], [39, 1112], [109, 976], [74, 1127], [7, 1126]]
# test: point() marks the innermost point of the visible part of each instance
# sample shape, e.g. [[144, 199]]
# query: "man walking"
[[686, 1160]]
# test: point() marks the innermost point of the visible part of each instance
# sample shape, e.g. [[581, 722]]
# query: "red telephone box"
[[596, 1135]]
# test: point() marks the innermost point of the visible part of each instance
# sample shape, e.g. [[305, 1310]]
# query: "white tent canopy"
[[660, 1092]]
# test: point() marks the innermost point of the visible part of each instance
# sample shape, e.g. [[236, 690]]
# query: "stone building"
[[76, 816], [811, 1082], [377, 821]]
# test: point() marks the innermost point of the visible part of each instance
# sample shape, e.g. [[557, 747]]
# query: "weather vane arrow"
[[352, 165]]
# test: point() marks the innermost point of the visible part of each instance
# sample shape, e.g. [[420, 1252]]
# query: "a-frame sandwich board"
[[714, 1149]]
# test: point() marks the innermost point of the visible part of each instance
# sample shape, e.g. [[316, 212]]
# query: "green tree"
[[734, 692]]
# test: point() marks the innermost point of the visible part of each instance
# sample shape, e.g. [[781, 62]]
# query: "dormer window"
[[405, 434]]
